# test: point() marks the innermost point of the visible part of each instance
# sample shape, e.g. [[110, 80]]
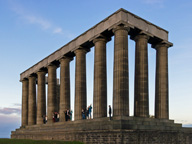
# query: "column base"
[[120, 129]]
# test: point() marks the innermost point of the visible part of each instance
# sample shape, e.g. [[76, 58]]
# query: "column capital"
[[41, 71], [81, 49], [121, 28], [32, 75], [162, 44], [65, 58], [52, 65], [24, 79], [141, 36], [100, 39]]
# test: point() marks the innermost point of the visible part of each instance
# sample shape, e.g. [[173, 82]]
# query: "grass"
[[21, 141]]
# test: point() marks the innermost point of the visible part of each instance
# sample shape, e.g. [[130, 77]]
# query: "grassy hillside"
[[17, 141]]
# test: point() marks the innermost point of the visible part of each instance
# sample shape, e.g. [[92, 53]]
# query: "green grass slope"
[[19, 141]]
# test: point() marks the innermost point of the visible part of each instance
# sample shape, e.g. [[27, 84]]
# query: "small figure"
[[71, 114], [109, 112], [44, 120], [65, 115], [83, 114], [68, 114], [53, 116], [90, 110], [87, 112], [57, 116]]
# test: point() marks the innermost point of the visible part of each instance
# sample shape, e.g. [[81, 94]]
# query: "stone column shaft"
[[121, 72], [32, 101], [141, 101], [64, 86], [161, 89], [80, 82], [52, 83], [100, 79], [58, 96], [41, 97], [25, 92]]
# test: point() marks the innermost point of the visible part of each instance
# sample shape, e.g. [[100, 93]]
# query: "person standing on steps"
[[83, 113], [109, 112], [65, 115], [90, 110]]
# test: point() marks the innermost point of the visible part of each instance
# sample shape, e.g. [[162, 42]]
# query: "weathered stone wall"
[[114, 137], [120, 130]]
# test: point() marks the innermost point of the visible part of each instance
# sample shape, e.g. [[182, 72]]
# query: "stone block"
[[104, 131]]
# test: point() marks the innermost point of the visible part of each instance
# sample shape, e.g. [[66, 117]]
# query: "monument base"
[[122, 130]]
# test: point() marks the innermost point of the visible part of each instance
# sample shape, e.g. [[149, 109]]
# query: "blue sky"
[[31, 30]]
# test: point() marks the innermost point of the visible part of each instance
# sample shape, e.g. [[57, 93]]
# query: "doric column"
[[58, 95], [25, 92], [80, 82], [64, 86], [52, 83], [121, 72], [100, 79], [32, 101], [41, 97], [161, 87], [141, 101]]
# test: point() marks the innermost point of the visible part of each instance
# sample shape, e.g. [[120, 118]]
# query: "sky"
[[33, 29]]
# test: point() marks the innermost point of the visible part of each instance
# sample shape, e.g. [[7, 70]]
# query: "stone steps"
[[124, 123]]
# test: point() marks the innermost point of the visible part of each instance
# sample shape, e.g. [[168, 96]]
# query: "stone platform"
[[131, 130]]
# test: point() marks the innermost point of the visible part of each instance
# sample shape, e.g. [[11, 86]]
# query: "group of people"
[[55, 117], [44, 119], [86, 113], [68, 115]]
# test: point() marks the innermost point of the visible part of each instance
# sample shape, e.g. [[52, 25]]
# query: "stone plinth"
[[120, 130]]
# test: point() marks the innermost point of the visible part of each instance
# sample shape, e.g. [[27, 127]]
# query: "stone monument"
[[123, 128]]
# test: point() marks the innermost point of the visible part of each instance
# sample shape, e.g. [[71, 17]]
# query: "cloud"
[[17, 104], [10, 111], [44, 24], [8, 123], [57, 30], [183, 122], [10, 119], [34, 19]]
